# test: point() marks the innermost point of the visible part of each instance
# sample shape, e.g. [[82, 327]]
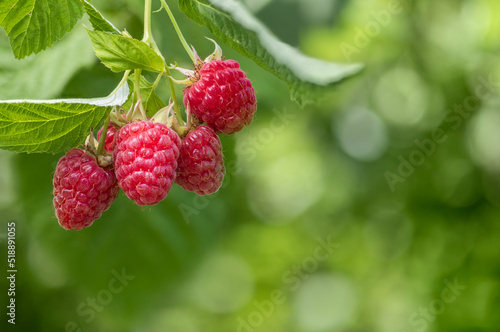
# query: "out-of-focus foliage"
[[399, 169]]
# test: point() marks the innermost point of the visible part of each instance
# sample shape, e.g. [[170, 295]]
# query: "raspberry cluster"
[[145, 156]]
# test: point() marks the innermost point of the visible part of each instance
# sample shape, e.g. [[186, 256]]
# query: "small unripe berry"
[[110, 137]]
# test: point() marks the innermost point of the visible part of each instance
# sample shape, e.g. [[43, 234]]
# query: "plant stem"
[[102, 139], [137, 89], [148, 35], [147, 22], [178, 31], [157, 81], [177, 109], [148, 38]]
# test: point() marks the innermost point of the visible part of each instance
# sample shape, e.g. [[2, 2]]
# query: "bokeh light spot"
[[325, 302], [223, 283], [279, 191], [362, 135], [484, 136], [45, 266], [401, 96]]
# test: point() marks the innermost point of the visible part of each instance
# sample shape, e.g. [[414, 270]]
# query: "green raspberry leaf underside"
[[99, 23], [120, 53], [33, 25], [234, 25], [52, 125]]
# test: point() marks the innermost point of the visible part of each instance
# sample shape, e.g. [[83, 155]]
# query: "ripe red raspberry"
[[223, 97], [201, 165], [110, 136], [145, 157], [82, 190]]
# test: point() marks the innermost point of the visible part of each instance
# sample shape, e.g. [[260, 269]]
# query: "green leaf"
[[232, 23], [52, 125], [120, 53], [99, 23], [33, 25], [152, 102]]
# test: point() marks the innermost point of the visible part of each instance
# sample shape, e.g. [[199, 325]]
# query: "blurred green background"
[[398, 170]]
